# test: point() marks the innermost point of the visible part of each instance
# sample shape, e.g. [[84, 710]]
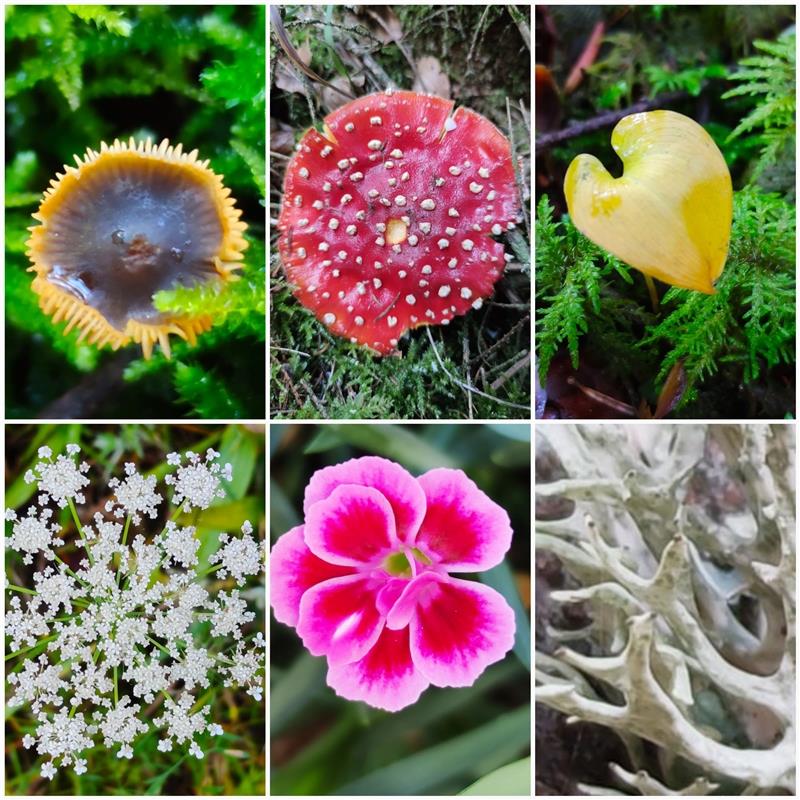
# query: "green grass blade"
[[512, 779], [501, 579], [295, 690], [390, 441], [466, 756]]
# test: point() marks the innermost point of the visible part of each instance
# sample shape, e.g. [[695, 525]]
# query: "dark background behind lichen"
[[78, 75]]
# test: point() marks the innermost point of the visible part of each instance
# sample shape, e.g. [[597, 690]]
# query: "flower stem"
[[116, 689], [201, 701], [15, 588], [124, 541], [209, 570], [78, 525], [67, 568], [125, 531], [159, 646], [32, 647], [651, 288]]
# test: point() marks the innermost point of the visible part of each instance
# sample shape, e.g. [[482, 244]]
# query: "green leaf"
[[436, 704], [104, 17], [155, 786], [22, 199], [282, 514], [255, 162], [459, 758], [391, 441], [227, 517], [239, 447], [224, 518], [205, 393], [56, 437], [21, 172], [520, 433], [292, 694], [512, 779], [307, 774]]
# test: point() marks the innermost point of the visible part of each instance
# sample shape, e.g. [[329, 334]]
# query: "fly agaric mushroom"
[[132, 220], [388, 215]]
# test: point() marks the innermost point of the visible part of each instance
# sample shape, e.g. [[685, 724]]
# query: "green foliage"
[[192, 74], [512, 779], [103, 17], [571, 276], [634, 62], [615, 75], [449, 738], [325, 376], [750, 321], [769, 80], [746, 329], [690, 79], [320, 375]]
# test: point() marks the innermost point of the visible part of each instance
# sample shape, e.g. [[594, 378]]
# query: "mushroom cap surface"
[[670, 213], [131, 220], [388, 216]]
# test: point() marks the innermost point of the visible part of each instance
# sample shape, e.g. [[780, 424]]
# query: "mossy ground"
[[478, 367]]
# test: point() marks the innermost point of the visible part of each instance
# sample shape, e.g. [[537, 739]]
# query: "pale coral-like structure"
[[680, 541]]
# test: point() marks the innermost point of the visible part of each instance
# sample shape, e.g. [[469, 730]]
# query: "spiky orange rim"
[[94, 327]]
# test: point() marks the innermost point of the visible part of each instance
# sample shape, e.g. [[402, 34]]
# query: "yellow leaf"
[[669, 215]]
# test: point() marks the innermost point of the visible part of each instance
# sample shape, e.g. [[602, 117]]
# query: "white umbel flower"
[[61, 480], [135, 495], [197, 483], [33, 533], [128, 621], [239, 557]]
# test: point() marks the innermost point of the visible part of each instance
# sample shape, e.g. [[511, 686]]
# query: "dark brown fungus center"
[[115, 243]]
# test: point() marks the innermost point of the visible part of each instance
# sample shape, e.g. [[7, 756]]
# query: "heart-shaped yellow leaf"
[[669, 215]]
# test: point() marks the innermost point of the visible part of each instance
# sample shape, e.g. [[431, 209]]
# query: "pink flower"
[[365, 581]]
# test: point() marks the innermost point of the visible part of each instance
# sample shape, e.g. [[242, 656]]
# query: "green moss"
[[737, 336], [767, 80]]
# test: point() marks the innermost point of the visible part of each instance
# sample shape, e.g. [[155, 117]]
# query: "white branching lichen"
[[691, 596]]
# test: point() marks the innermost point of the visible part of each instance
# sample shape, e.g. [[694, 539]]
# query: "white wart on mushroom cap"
[[387, 220]]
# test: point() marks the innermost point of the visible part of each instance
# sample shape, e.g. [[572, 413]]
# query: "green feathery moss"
[[736, 336]]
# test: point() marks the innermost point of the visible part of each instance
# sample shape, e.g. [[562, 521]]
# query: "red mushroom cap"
[[387, 218]]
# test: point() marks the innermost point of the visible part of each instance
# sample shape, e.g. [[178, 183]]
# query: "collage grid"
[[274, 460]]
